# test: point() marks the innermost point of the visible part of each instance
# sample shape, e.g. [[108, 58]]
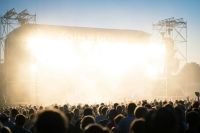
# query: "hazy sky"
[[119, 14]]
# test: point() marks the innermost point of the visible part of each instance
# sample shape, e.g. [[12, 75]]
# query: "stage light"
[[87, 65], [155, 54], [154, 71], [54, 52], [156, 51]]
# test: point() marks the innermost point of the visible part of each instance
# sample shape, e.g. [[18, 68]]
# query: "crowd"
[[181, 116]]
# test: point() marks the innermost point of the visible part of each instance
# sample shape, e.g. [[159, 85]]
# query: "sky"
[[117, 14]]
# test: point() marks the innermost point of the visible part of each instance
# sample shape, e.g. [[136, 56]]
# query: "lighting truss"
[[174, 31], [9, 21]]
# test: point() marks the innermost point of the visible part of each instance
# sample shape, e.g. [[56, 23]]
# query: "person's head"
[[20, 120], [115, 105], [24, 112], [65, 107], [165, 121], [111, 114], [41, 108], [31, 111], [5, 130], [118, 118], [51, 121], [14, 112], [87, 111], [4, 118], [95, 109], [140, 112], [131, 108], [76, 112], [138, 126], [104, 110], [169, 107], [86, 121], [100, 110], [119, 109], [96, 128], [195, 104], [148, 106]]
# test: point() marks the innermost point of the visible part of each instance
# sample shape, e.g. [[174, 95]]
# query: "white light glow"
[[154, 71], [84, 65], [55, 52], [33, 68]]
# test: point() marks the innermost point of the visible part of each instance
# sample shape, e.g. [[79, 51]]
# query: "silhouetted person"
[[88, 111], [102, 114], [14, 113], [102, 119], [115, 105], [51, 121], [30, 121], [165, 121], [195, 105], [140, 112], [138, 126], [76, 116], [149, 120], [111, 115], [193, 119], [4, 118], [19, 124], [124, 124], [117, 119], [5, 130], [119, 109], [86, 121], [180, 113]]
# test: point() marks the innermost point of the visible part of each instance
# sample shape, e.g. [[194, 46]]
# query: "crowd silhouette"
[[180, 116]]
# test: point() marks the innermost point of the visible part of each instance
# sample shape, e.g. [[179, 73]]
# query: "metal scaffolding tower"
[[176, 30], [9, 21], [174, 34]]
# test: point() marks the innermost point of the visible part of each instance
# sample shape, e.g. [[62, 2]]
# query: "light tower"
[[8, 22], [174, 34]]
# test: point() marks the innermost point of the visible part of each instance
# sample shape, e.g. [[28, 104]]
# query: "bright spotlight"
[[82, 65], [154, 71], [156, 51], [55, 52]]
